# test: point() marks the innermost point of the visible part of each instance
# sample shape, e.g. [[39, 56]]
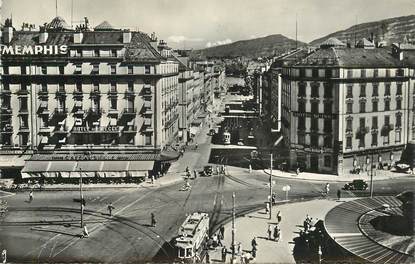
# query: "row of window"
[[328, 107], [362, 122], [314, 140], [315, 87], [314, 124], [78, 69], [351, 73], [374, 140], [375, 106], [375, 90]]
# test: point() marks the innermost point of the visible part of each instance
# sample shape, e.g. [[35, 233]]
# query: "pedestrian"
[[30, 196], [250, 168], [217, 170], [4, 256], [276, 232], [224, 252], [215, 240], [298, 171], [305, 225], [327, 188], [279, 217], [85, 232], [254, 244], [222, 231], [339, 194], [220, 240], [153, 220], [239, 249], [207, 257], [267, 207], [254, 250], [110, 207], [196, 145], [243, 258], [274, 198], [195, 173], [269, 232], [152, 179]]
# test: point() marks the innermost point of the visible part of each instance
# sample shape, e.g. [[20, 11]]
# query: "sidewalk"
[[380, 175], [256, 225]]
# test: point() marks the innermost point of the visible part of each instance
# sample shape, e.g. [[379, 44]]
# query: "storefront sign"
[[34, 50]]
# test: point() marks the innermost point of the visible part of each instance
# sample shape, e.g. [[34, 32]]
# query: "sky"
[[205, 23]]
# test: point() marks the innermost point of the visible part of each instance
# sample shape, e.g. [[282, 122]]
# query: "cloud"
[[179, 39], [218, 42]]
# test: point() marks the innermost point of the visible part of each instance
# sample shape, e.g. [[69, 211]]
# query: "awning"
[[113, 165], [89, 166], [141, 165], [62, 166], [138, 173], [36, 166]]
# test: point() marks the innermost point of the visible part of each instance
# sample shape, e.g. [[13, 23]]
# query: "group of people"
[[307, 223], [274, 233]]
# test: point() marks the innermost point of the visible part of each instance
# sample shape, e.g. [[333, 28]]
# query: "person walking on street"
[[254, 245], [269, 232], [110, 208], [30, 196], [85, 232], [239, 249], [250, 168], [276, 233], [222, 231], [339, 194], [327, 188], [196, 145], [195, 173], [279, 217], [298, 171], [267, 207], [224, 252], [217, 170], [153, 220]]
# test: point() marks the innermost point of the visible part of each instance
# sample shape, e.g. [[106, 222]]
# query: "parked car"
[[359, 185], [207, 171]]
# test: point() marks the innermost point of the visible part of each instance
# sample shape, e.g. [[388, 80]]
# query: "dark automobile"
[[360, 185], [207, 171]]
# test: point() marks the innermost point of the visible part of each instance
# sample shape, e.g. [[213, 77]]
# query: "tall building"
[[345, 108], [106, 95]]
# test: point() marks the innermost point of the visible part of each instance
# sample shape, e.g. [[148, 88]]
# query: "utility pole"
[[82, 198], [233, 228], [371, 177], [270, 188]]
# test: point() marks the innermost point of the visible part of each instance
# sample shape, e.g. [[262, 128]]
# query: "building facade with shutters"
[[345, 109], [107, 92]]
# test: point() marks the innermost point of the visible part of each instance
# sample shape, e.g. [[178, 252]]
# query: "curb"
[[334, 180]]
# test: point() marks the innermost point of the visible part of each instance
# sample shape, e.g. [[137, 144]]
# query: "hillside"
[[390, 30], [252, 48]]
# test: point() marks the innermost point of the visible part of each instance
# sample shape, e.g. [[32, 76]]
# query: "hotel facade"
[[346, 109], [101, 101]]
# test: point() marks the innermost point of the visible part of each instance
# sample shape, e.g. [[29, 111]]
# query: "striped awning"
[[141, 165]]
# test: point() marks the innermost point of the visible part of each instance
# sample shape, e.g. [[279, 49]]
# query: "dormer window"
[[61, 70], [147, 69], [78, 69]]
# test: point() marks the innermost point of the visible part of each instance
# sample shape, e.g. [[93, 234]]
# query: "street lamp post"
[[270, 189], [82, 198], [233, 228]]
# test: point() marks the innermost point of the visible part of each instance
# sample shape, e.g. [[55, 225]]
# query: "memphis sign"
[[34, 50]]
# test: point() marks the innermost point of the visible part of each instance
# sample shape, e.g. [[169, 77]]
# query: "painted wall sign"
[[34, 50]]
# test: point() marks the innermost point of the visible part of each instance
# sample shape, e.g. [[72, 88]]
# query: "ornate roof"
[[58, 23]]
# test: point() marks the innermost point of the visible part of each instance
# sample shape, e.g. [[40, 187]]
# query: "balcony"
[[129, 93], [45, 130], [112, 111], [130, 129], [43, 93], [129, 111], [24, 128], [23, 92], [23, 111], [95, 93], [77, 94], [112, 93], [5, 92], [61, 111], [60, 92], [95, 111], [6, 111], [7, 129]]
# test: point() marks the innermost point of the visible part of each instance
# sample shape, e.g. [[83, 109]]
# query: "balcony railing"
[[23, 92], [5, 92], [23, 111], [129, 111], [130, 129], [77, 93], [5, 110], [95, 111], [7, 129], [60, 111]]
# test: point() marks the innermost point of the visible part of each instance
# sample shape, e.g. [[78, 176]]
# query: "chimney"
[[43, 36], [153, 40], [77, 37], [126, 36]]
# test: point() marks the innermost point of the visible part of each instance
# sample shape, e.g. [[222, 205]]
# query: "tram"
[[193, 235]]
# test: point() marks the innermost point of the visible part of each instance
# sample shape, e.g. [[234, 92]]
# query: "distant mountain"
[[390, 30], [252, 48]]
